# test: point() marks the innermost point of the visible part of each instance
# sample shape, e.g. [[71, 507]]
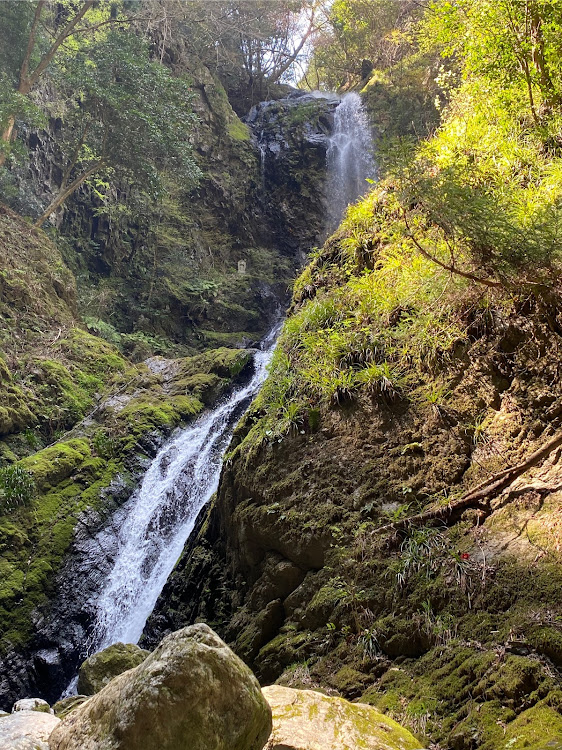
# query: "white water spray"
[[161, 514], [349, 157]]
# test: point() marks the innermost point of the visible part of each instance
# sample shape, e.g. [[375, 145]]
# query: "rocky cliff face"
[[305, 562], [167, 274]]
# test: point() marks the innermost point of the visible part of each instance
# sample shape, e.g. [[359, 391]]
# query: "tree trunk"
[[7, 137], [545, 81], [481, 494], [65, 192], [27, 79]]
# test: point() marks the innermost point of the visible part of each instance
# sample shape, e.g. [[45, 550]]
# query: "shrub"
[[16, 487]]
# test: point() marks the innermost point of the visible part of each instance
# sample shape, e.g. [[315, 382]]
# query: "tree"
[[358, 35], [511, 42], [35, 55], [123, 114], [249, 44]]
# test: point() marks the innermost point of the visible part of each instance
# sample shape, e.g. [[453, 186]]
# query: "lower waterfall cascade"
[[160, 516], [146, 536]]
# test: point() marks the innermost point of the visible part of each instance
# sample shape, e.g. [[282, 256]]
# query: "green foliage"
[[369, 644], [16, 23], [510, 42], [103, 329], [104, 444], [372, 316], [16, 488], [420, 552], [491, 178], [374, 31], [125, 113]]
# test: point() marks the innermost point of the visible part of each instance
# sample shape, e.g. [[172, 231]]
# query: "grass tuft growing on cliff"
[[370, 314]]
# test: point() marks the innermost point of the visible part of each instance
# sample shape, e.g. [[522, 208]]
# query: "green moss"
[[548, 641], [51, 465], [223, 362], [203, 386], [461, 692], [97, 671], [238, 131], [33, 540], [401, 101], [537, 728], [95, 356], [143, 415]]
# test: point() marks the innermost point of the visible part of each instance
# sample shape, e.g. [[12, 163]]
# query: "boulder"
[[26, 730], [98, 670], [306, 720], [191, 693], [32, 704]]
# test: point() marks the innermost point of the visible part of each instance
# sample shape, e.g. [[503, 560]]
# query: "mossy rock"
[[51, 465], [98, 670], [350, 681], [224, 362], [144, 414], [191, 692], [306, 719], [66, 706], [32, 704], [401, 637], [465, 693], [548, 641], [538, 728]]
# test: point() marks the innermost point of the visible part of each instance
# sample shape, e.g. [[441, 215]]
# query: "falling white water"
[[349, 157], [161, 514]]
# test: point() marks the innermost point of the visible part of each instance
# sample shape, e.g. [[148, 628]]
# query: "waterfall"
[[349, 157], [159, 517]]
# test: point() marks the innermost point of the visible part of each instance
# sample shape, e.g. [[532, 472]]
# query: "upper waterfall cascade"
[[159, 517], [349, 157]]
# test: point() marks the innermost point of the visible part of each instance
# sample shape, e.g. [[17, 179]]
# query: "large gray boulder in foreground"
[[306, 720], [26, 730], [98, 670], [191, 693]]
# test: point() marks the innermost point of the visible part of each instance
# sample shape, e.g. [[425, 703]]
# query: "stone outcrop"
[[26, 730], [66, 705], [292, 137], [307, 720], [98, 670], [191, 693]]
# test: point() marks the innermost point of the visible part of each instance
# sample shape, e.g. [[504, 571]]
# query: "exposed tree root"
[[479, 496]]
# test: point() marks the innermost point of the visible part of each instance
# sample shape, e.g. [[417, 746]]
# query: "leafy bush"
[[104, 444], [17, 487], [105, 330]]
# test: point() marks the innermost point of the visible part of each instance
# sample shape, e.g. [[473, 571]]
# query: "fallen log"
[[479, 496]]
